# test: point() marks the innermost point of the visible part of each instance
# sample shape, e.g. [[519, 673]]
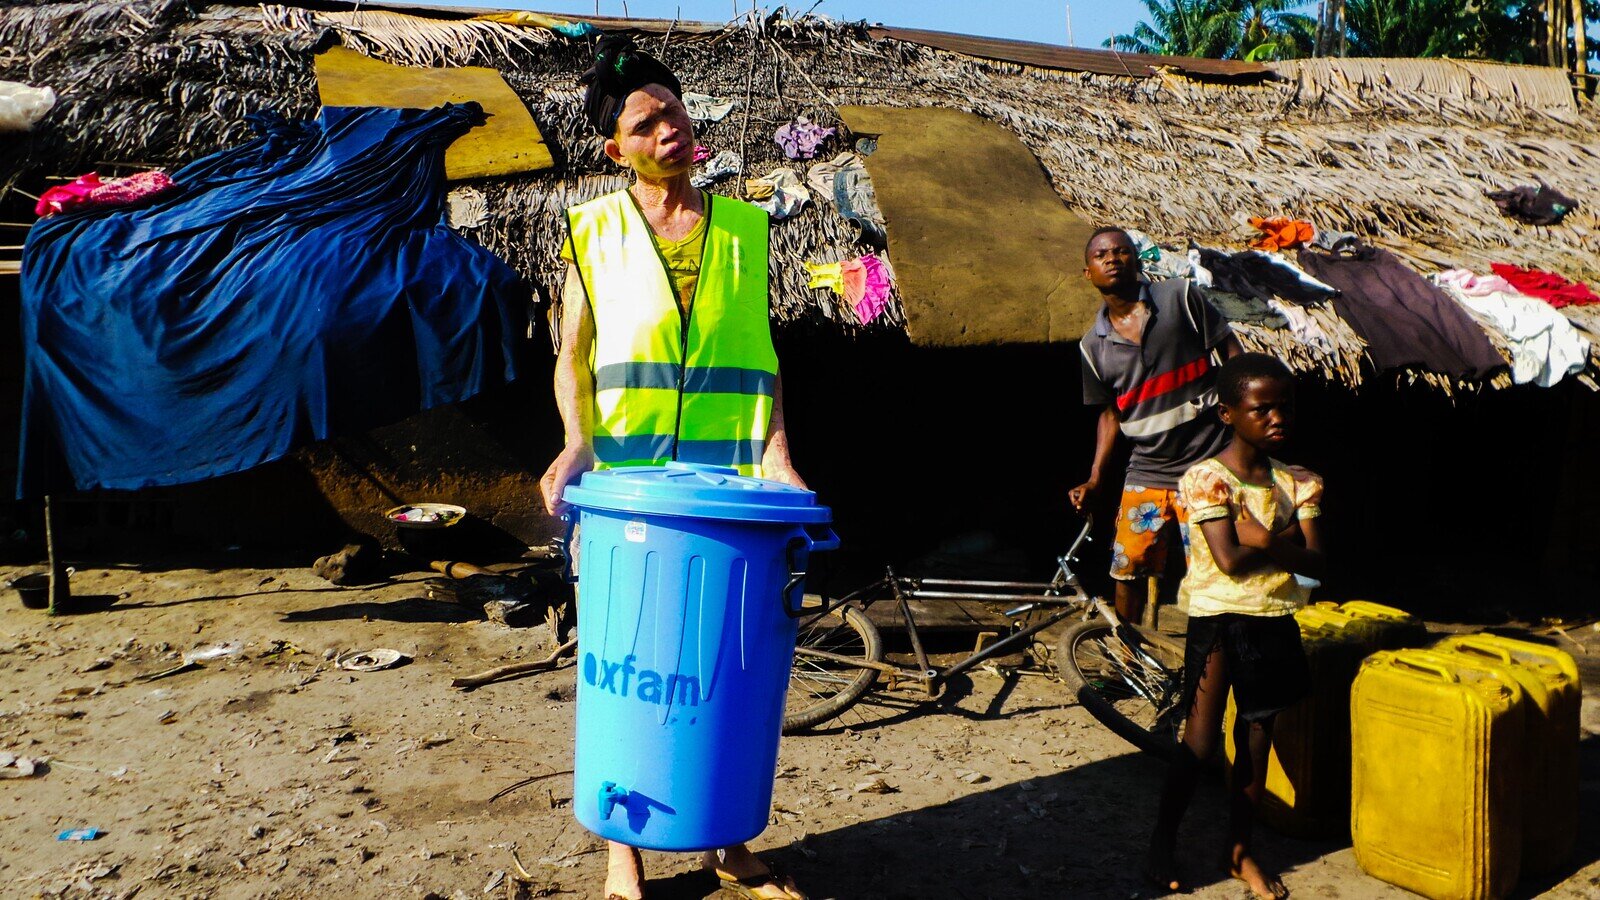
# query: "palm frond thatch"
[[1403, 157]]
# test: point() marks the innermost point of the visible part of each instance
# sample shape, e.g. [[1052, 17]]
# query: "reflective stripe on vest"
[[697, 391]]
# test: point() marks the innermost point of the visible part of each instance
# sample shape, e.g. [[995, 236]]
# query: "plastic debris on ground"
[[213, 651], [723, 165], [14, 766], [701, 153], [801, 138], [371, 660], [79, 834]]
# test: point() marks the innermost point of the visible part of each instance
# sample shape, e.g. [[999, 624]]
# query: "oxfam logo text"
[[650, 686]]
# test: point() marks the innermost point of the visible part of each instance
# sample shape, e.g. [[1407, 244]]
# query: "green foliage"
[[1223, 29], [1262, 30]]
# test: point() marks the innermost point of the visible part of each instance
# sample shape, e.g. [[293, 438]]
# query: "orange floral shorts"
[[1149, 523]]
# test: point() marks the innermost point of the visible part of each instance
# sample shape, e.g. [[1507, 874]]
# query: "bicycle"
[[1128, 677]]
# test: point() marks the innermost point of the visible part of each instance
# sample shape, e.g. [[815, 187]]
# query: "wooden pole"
[[1580, 40], [58, 575], [1550, 32]]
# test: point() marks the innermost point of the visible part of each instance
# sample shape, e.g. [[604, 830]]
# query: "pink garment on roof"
[[89, 190], [1473, 285], [867, 286]]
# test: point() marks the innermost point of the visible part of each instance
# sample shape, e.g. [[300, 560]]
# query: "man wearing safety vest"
[[666, 350]]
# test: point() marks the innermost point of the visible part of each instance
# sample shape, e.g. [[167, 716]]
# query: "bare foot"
[[740, 870], [1161, 871], [624, 873], [1262, 884]]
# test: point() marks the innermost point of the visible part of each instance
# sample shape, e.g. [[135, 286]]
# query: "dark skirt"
[[1267, 666]]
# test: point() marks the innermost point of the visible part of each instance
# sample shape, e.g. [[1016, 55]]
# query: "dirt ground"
[[271, 773]]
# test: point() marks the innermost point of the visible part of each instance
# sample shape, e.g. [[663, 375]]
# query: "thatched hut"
[[931, 408]]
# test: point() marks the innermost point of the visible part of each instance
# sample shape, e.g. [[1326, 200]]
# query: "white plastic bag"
[[22, 106]]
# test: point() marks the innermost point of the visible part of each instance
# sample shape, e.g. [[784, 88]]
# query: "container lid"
[[696, 491]]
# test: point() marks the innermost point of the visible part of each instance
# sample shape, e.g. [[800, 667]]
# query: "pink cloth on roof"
[[867, 286], [89, 190], [67, 196], [1474, 285]]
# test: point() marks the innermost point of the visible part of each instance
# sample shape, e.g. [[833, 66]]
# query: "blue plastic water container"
[[689, 579]]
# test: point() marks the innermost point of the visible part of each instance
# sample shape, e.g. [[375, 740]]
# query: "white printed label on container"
[[634, 531]]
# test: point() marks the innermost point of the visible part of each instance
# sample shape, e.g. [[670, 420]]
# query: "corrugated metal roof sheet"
[[1077, 59]]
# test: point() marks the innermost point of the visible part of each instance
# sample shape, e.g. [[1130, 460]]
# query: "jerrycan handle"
[[1499, 654], [1427, 665], [793, 591]]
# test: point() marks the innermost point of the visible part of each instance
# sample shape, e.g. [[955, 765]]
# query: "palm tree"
[[1222, 29], [1404, 27], [1270, 29], [1183, 28]]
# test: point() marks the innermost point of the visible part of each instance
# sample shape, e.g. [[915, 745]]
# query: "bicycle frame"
[[1062, 591]]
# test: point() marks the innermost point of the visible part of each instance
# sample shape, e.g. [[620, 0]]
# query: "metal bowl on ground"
[[426, 515], [33, 588]]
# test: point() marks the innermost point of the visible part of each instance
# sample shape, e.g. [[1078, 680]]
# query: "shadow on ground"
[[409, 609]]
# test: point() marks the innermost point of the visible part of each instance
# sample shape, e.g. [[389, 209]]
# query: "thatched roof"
[[1401, 153]]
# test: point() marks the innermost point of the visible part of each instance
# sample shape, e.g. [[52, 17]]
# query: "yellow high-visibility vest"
[[695, 388]]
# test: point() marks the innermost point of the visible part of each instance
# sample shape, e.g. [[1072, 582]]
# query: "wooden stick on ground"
[[468, 682]]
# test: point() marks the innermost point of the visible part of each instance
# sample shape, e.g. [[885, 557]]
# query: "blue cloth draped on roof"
[[296, 287]]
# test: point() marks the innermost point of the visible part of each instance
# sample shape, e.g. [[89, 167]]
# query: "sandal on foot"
[[748, 887]]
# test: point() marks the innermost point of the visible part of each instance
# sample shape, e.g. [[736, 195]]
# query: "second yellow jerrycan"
[[1436, 775], [1308, 773], [1327, 615], [1550, 680], [1382, 627], [1396, 628]]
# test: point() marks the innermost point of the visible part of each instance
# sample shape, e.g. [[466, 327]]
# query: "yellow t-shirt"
[[1212, 491], [682, 258]]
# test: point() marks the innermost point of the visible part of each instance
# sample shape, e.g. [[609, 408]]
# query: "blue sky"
[[1030, 20]]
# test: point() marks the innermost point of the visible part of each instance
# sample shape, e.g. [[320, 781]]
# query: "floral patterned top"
[[1212, 491]]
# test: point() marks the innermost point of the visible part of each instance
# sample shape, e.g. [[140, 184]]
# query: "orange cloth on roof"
[[1281, 233]]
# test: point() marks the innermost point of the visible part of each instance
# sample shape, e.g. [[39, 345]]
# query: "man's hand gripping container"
[[690, 581], [1549, 679], [1436, 799]]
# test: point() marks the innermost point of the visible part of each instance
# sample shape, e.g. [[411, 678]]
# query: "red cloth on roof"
[[1281, 233], [1547, 286]]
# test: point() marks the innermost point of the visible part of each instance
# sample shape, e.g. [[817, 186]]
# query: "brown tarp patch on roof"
[[1077, 59], [508, 144], [984, 251]]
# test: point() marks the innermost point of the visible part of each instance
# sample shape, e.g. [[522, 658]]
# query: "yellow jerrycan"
[[1382, 627], [1436, 774], [1327, 615], [1549, 678], [1308, 773], [1396, 628]]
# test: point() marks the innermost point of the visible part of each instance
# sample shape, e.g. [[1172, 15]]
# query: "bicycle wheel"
[[1134, 691], [820, 689]]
